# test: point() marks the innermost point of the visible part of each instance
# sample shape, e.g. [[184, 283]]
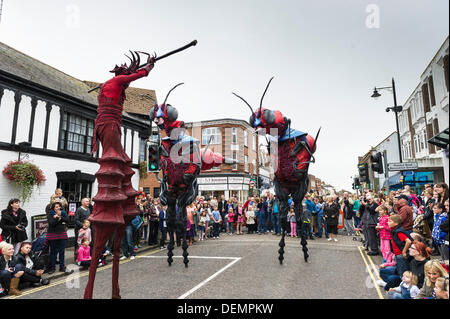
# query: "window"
[[211, 131], [245, 138], [424, 136], [142, 149], [254, 142], [76, 134], [246, 163], [235, 166], [234, 135], [416, 144]]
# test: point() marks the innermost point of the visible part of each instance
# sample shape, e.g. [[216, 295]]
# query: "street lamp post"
[[396, 109]]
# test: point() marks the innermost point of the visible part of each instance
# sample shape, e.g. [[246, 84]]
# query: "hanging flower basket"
[[25, 175]]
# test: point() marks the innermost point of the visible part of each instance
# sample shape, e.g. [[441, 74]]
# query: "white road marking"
[[183, 296]]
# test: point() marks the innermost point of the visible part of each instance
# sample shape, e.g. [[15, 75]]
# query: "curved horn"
[[138, 59], [262, 98], [171, 91], [131, 61], [133, 65], [244, 101]]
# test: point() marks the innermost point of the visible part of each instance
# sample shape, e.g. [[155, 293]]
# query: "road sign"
[[252, 183], [403, 166]]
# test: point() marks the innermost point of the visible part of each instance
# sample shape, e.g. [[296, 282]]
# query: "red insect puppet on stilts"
[[291, 153], [181, 162], [114, 204]]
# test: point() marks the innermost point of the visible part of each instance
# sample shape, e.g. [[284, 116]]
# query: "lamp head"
[[375, 94]]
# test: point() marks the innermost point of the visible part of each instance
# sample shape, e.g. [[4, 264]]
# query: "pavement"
[[70, 264], [233, 267]]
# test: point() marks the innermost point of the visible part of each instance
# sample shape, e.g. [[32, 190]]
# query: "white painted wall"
[[41, 197], [23, 120], [39, 125], [7, 115]]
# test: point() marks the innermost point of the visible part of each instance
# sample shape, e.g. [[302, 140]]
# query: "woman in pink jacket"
[[385, 235]]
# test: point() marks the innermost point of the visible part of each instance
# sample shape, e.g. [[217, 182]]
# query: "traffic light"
[[377, 163], [356, 183], [154, 158], [363, 172]]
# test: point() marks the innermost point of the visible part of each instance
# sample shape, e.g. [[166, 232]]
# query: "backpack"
[[421, 227], [137, 222]]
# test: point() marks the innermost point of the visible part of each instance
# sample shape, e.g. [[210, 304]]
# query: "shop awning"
[[441, 139]]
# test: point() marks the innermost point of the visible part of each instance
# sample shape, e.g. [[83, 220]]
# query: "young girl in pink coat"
[[385, 235]]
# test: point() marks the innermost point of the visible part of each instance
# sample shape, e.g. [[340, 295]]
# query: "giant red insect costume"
[[291, 152], [114, 206], [181, 162]]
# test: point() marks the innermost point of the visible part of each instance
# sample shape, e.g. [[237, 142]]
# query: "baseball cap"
[[402, 196]]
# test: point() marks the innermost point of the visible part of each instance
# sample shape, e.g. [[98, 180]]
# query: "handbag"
[[137, 222]]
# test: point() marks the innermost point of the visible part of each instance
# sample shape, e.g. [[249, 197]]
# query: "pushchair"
[[40, 249]]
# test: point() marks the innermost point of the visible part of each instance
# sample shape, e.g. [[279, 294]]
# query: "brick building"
[[233, 138]]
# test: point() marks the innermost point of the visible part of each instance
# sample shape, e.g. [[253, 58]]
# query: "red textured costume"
[[180, 165], [114, 206], [291, 151]]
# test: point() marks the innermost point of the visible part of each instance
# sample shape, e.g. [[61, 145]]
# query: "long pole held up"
[[193, 43]]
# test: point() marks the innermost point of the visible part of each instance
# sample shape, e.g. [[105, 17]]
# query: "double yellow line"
[[69, 278], [371, 268]]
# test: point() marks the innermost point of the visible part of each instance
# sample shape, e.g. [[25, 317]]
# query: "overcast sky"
[[326, 57]]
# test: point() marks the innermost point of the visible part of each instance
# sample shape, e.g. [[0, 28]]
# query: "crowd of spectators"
[[405, 228]]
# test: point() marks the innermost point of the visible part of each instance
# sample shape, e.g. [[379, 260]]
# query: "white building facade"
[[48, 120], [426, 114]]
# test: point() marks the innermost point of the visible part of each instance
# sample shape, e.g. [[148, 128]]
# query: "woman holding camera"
[[57, 236], [13, 223]]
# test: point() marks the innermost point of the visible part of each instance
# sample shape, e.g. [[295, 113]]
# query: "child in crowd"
[[400, 243], [84, 232], [84, 253], [239, 219], [385, 235], [441, 288], [440, 215], [217, 221], [230, 219], [250, 214], [433, 271], [189, 232], [408, 287], [201, 225], [306, 222], [293, 221]]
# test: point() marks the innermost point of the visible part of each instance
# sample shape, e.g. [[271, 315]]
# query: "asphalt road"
[[234, 267]]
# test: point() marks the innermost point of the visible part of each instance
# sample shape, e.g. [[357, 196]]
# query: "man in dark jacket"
[[222, 206], [347, 207], [372, 221], [83, 212]]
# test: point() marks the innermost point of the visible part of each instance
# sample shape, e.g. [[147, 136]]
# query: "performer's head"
[[264, 118], [164, 115], [124, 69]]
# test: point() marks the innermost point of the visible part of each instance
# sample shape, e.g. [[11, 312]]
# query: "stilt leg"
[[118, 236], [102, 234]]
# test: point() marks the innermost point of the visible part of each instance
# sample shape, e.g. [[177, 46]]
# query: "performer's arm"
[[126, 79]]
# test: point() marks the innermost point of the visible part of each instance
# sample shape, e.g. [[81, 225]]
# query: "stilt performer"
[[179, 158], [114, 204], [291, 152]]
